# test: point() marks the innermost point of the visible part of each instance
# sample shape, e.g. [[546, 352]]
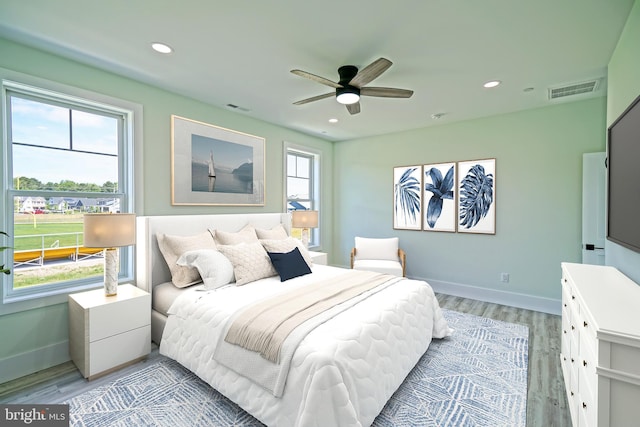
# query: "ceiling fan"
[[351, 85]]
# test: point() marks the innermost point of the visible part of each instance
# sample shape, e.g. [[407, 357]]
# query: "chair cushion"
[[378, 249], [379, 266]]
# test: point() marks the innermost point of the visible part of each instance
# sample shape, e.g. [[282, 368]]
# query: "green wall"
[[624, 87], [538, 199], [37, 338], [539, 158]]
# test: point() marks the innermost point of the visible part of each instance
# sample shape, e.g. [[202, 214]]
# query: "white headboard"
[[152, 270]]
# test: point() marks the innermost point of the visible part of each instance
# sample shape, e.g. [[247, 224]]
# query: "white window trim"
[[134, 132], [317, 182]]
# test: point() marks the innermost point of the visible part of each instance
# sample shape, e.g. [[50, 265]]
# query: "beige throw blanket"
[[263, 327]]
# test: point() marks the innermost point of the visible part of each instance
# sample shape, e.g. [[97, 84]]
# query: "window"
[[302, 183], [65, 156]]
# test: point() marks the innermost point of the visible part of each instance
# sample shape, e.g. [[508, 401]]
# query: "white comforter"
[[343, 372]]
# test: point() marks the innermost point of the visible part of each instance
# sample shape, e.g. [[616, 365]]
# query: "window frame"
[[314, 191], [129, 160]]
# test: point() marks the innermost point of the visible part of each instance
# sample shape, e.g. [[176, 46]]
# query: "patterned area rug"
[[477, 377]]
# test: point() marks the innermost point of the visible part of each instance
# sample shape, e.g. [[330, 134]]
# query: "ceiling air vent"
[[573, 89], [235, 107]]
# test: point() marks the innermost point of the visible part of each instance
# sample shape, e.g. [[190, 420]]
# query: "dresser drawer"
[[569, 295], [587, 408], [587, 375]]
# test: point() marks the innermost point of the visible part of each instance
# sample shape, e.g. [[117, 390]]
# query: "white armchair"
[[379, 255]]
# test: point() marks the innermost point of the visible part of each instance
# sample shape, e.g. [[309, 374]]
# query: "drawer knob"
[[585, 324], [564, 331], [584, 405], [584, 363], [572, 327], [571, 393], [573, 297], [572, 360], [565, 304]]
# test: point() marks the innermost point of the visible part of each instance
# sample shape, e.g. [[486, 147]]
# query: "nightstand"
[[106, 333], [318, 257]]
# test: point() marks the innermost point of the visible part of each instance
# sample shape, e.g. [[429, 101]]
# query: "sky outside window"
[[51, 133]]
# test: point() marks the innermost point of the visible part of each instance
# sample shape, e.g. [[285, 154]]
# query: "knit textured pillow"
[[250, 262]]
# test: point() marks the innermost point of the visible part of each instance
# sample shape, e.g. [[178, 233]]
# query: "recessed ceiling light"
[[492, 83], [161, 47], [437, 116], [527, 89], [333, 120]]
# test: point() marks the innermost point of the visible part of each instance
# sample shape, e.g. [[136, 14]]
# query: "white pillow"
[[277, 232], [286, 246], [215, 269], [173, 246], [246, 235], [250, 261], [383, 249]]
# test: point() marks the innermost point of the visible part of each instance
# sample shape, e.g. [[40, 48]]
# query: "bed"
[[340, 371]]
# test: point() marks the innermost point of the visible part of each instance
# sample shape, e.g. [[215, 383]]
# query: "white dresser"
[[600, 354]]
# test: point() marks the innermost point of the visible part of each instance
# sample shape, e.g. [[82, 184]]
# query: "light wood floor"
[[546, 400]]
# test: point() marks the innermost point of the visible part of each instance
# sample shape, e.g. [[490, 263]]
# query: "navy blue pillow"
[[290, 264]]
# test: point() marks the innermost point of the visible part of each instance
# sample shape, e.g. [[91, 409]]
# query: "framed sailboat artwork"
[[211, 165]]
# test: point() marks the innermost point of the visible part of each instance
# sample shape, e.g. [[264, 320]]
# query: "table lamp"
[[110, 231], [304, 220]]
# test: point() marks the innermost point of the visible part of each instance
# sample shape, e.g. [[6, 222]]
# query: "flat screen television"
[[623, 173]]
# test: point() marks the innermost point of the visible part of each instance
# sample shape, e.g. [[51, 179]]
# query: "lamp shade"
[[304, 219], [106, 230]]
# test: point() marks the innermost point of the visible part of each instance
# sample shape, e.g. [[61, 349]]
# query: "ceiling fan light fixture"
[[347, 95]]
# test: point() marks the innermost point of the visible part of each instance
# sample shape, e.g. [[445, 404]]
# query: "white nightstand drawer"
[[119, 349], [107, 320], [318, 257]]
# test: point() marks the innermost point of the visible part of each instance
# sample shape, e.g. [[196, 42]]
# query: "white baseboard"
[[512, 299], [529, 302], [33, 361]]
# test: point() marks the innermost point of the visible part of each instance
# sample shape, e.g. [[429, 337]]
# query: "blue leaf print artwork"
[[441, 188], [476, 196], [407, 196]]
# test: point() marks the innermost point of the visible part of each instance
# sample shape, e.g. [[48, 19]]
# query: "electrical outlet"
[[504, 277]]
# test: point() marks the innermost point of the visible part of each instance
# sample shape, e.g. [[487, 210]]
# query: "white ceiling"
[[241, 52]]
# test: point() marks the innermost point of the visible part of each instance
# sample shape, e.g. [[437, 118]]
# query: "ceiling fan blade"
[[315, 78], [386, 92], [370, 72], [353, 108], [315, 98]]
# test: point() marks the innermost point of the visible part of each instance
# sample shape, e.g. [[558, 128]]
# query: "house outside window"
[[65, 156], [302, 183]]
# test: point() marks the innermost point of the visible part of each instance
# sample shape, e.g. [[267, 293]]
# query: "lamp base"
[[111, 271], [305, 237]]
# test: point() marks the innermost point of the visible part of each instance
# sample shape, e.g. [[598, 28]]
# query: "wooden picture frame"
[[211, 165], [407, 197], [476, 190], [440, 190]]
